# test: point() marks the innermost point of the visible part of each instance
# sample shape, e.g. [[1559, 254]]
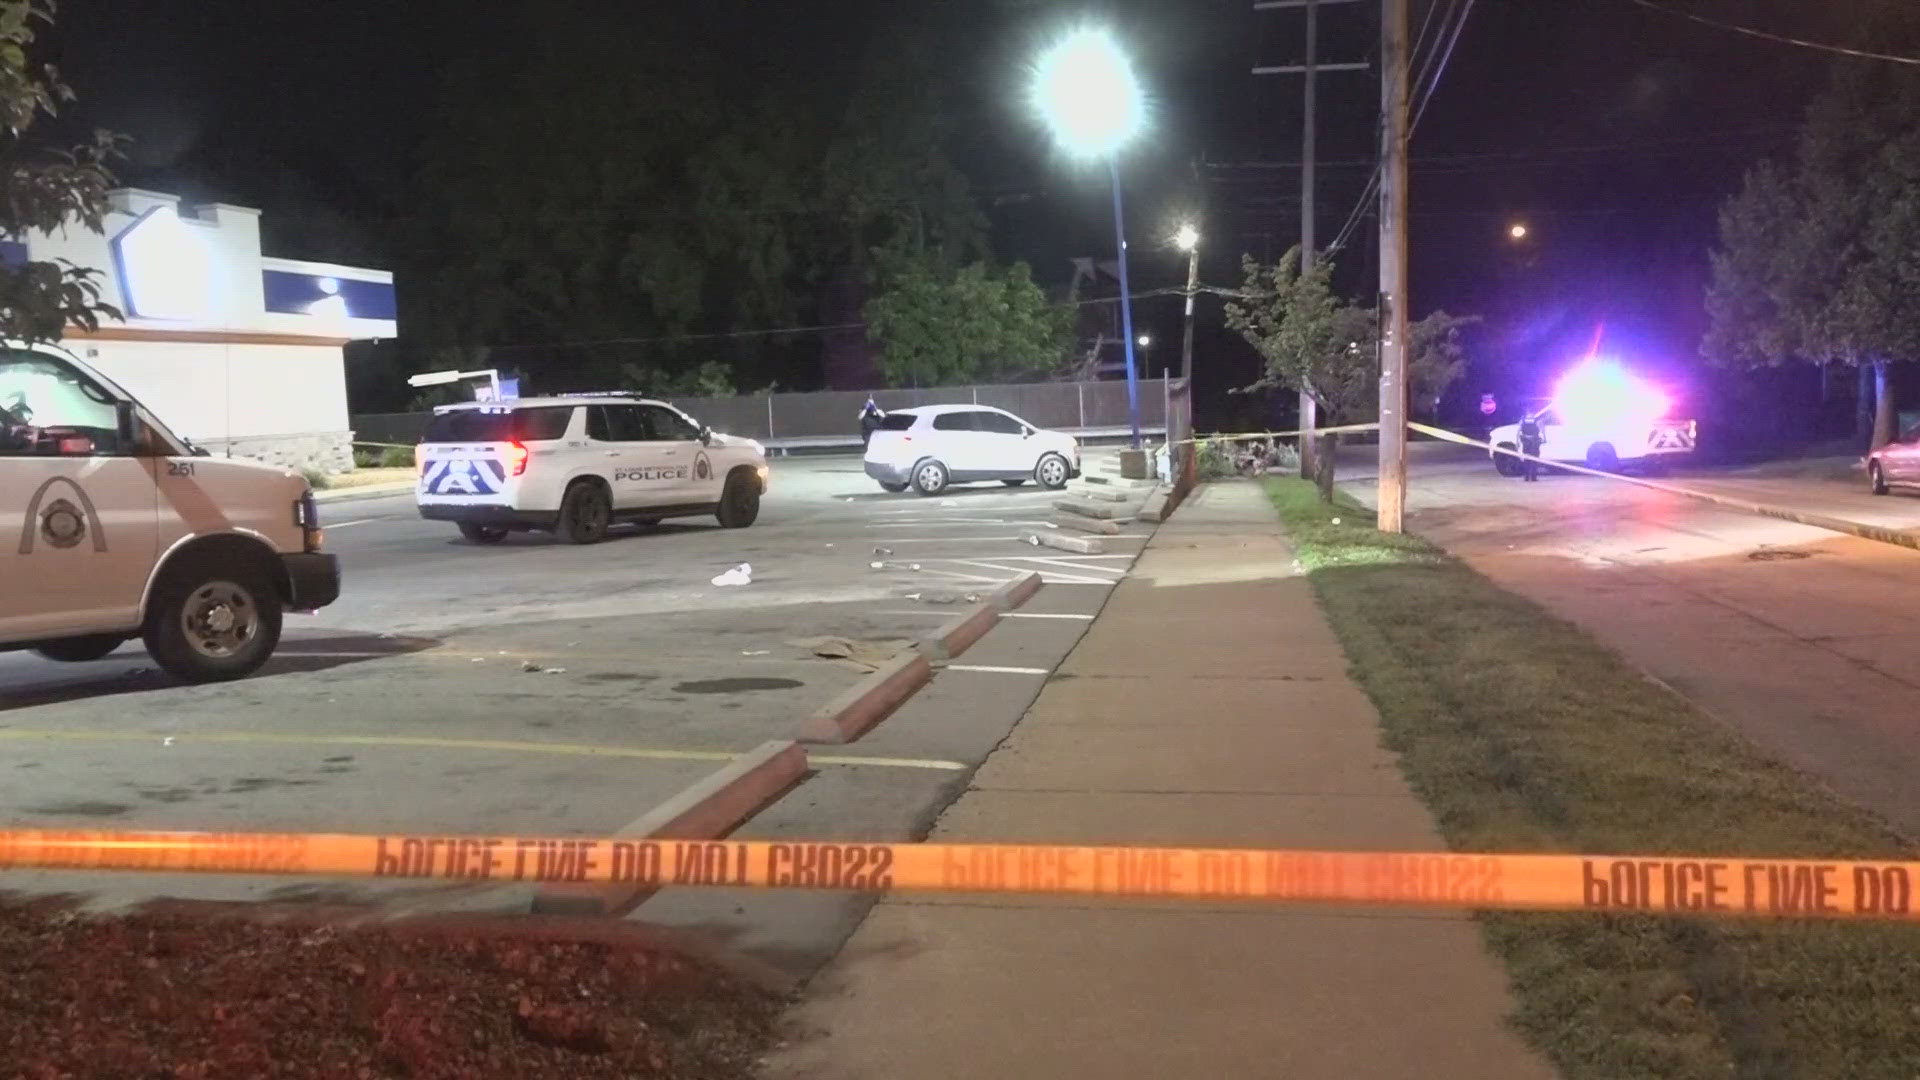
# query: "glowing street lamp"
[[1084, 89], [1187, 239], [1517, 231]]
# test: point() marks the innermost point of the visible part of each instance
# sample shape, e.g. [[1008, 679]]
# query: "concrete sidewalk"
[[1207, 706]]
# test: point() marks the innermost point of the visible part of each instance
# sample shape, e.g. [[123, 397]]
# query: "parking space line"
[[994, 669], [1081, 567], [180, 739], [1010, 570], [1043, 615], [964, 577], [953, 521], [350, 524]]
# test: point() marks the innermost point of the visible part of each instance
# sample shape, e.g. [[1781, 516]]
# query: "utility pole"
[[1309, 249], [1394, 137], [1309, 409]]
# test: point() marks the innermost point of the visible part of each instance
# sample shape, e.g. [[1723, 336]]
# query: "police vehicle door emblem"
[[702, 468], [61, 523]]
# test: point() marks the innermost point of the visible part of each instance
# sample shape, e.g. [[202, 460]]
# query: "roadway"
[[535, 687], [1804, 642]]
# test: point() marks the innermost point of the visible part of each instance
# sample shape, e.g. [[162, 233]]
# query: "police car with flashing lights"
[[1604, 417], [576, 464]]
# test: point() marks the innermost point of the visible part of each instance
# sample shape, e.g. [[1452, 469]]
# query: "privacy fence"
[[832, 417]]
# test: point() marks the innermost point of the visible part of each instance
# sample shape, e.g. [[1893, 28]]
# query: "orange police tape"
[[1609, 883]]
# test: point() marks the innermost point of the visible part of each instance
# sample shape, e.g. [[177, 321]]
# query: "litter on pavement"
[[739, 575]]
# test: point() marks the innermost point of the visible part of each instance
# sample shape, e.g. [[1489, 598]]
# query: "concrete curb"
[[1155, 508], [870, 701], [1080, 545], [1107, 496], [708, 809], [1016, 592], [959, 633], [1087, 509], [1107, 526]]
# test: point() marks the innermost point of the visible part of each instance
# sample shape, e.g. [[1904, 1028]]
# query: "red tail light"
[[516, 459]]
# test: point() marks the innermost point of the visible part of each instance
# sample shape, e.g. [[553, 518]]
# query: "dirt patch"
[[80, 808], [181, 996]]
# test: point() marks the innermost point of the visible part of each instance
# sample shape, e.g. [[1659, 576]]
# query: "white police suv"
[[576, 464]]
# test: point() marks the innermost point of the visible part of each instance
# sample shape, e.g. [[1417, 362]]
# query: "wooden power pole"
[[1394, 137]]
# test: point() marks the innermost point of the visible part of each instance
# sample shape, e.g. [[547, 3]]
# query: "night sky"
[[1610, 130]]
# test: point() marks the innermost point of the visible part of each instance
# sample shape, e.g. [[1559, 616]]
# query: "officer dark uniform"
[[1530, 446], [870, 415]]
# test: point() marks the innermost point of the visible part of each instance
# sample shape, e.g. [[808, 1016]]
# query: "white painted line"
[[962, 577], [954, 521], [948, 539], [1064, 558], [1118, 571], [995, 670], [1037, 615], [1010, 570], [347, 524]]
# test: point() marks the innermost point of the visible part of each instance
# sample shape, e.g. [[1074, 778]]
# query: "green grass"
[[1523, 734]]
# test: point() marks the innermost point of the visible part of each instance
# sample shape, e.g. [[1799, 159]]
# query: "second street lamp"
[[1187, 239], [1085, 90]]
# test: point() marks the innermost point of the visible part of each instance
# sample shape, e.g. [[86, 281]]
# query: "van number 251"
[[179, 468]]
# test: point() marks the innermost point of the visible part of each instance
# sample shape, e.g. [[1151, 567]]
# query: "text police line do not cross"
[[1603, 883]]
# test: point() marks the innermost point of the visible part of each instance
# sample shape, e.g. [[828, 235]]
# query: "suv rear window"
[[897, 421], [499, 425]]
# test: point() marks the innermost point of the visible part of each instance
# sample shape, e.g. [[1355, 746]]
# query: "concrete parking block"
[[1016, 592], [956, 634], [1084, 545], [708, 810], [1086, 508], [1086, 524], [870, 700], [1107, 496]]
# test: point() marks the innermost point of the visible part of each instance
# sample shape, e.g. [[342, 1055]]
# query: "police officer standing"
[[870, 415], [1530, 446]]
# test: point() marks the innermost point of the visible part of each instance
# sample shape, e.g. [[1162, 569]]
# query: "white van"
[[112, 528]]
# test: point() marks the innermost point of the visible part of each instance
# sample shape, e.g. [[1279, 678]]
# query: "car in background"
[[573, 466], [931, 447], [1895, 465]]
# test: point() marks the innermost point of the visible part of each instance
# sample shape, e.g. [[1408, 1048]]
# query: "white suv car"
[[574, 465], [935, 445]]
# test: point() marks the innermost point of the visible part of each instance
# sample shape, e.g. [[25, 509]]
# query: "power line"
[[1373, 182], [1779, 38]]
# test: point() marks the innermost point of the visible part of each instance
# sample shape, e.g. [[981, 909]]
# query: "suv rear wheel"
[[930, 477], [213, 619], [584, 514]]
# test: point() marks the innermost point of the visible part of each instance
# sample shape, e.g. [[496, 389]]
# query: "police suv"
[[112, 528], [575, 464]]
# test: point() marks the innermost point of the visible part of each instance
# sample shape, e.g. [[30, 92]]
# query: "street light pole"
[[1186, 334], [1126, 303]]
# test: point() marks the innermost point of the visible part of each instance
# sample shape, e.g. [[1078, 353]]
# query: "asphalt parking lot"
[[534, 687]]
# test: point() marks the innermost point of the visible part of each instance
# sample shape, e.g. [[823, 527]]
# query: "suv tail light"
[[306, 517], [516, 459]]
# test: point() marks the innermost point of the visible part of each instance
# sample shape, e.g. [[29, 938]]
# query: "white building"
[[241, 353]]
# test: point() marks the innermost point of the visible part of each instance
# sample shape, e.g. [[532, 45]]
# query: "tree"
[[1317, 344], [1816, 255], [45, 189], [939, 327]]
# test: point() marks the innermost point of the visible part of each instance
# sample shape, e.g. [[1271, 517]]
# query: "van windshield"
[[499, 425]]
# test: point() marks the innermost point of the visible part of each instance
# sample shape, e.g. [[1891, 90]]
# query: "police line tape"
[[1803, 888], [1798, 517]]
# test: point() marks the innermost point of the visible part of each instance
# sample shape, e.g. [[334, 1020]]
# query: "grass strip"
[[1523, 734]]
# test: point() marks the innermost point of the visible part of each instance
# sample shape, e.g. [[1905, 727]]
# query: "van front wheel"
[[213, 621]]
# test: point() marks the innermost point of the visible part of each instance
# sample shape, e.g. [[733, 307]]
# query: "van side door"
[[78, 505]]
